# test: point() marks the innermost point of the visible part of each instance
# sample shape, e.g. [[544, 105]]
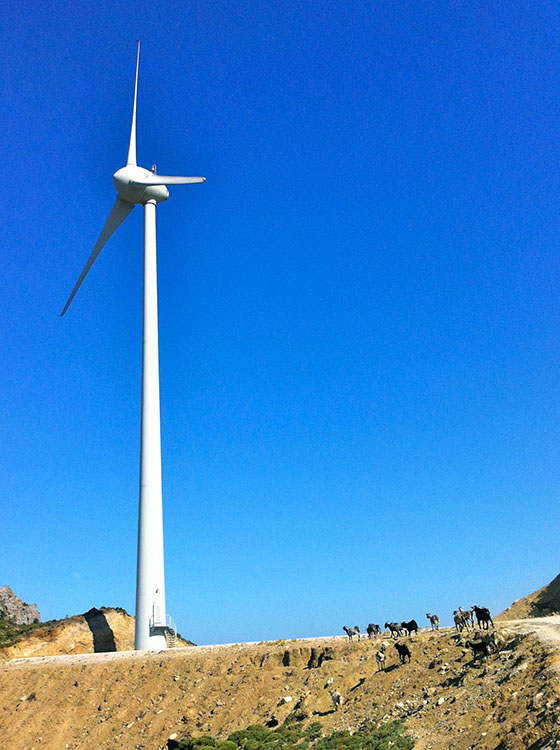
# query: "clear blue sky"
[[359, 310]]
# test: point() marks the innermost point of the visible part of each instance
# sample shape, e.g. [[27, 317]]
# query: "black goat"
[[483, 617], [373, 629], [395, 628], [403, 650], [410, 627], [479, 648]]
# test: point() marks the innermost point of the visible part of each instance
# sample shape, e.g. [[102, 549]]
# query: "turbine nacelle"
[[133, 186]]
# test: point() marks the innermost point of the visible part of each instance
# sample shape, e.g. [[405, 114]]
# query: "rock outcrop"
[[545, 601], [98, 630], [16, 610]]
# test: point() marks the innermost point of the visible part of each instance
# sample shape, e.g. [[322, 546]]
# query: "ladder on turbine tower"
[[166, 623]]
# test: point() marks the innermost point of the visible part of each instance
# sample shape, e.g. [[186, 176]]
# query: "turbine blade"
[[131, 159], [161, 179], [118, 214]]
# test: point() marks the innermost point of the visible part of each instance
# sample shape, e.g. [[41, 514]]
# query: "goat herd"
[[463, 619]]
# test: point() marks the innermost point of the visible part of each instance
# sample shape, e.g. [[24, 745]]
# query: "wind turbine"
[[136, 185]]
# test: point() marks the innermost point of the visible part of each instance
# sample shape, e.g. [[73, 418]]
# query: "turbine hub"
[[128, 182]]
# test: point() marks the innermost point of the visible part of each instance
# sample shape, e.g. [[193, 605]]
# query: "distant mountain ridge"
[[545, 601], [16, 610]]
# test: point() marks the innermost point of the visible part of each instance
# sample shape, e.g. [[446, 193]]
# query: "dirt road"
[[547, 629]]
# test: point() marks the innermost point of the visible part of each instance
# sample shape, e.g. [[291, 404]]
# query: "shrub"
[[313, 731], [293, 737]]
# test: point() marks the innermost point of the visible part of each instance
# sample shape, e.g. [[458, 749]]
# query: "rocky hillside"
[[16, 610], [98, 630], [545, 601], [508, 701], [88, 689]]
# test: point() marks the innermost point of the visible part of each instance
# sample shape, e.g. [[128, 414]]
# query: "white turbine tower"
[[136, 185]]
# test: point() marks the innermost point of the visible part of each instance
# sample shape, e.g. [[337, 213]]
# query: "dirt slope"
[[545, 601], [104, 629], [137, 700]]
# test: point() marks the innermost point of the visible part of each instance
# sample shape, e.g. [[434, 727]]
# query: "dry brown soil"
[[545, 601], [113, 627], [509, 701]]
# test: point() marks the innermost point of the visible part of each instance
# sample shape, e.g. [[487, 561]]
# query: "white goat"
[[336, 698], [467, 617]]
